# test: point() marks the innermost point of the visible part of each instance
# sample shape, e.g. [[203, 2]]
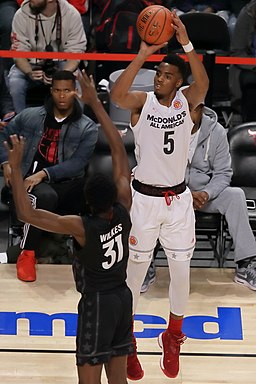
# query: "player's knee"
[[184, 255], [141, 257]]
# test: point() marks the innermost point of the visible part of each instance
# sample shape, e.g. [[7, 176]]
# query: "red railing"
[[114, 57]]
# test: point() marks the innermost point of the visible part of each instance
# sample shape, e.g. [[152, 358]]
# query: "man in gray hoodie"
[[208, 176], [43, 25]]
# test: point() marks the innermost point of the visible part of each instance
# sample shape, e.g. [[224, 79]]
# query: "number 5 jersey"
[[162, 138]]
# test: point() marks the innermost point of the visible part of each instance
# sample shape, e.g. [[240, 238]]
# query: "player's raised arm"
[[120, 93], [197, 91], [121, 169], [39, 218]]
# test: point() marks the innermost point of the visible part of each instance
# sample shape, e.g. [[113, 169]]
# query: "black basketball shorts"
[[104, 326]]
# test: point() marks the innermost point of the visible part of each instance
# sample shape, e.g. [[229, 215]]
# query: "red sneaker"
[[25, 266], [134, 369], [170, 344]]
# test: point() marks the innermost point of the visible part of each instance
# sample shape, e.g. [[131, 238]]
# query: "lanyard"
[[57, 24]]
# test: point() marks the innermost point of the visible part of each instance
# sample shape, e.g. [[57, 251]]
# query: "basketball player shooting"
[[162, 204]]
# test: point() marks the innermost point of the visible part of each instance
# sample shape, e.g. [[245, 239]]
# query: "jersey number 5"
[[168, 143], [114, 251]]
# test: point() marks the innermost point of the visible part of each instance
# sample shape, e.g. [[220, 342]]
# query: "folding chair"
[[242, 143]]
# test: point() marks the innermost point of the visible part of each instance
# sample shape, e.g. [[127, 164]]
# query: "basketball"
[[154, 24]]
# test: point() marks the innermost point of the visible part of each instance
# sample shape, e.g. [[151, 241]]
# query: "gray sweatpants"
[[231, 203]]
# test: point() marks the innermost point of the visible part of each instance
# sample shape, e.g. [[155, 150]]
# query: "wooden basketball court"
[[220, 322]]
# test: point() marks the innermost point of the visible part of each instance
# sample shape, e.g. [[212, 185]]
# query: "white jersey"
[[162, 138]]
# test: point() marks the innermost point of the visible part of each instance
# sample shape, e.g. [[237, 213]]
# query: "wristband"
[[188, 47], [4, 163]]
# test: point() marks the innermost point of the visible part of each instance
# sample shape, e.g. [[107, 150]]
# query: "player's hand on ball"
[[181, 32]]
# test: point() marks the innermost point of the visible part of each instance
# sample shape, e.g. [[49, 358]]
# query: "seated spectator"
[[59, 143], [6, 106], [242, 78], [208, 176], [43, 26]]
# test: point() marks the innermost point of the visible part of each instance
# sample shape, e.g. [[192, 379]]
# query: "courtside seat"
[[207, 31], [242, 143], [53, 248], [211, 227]]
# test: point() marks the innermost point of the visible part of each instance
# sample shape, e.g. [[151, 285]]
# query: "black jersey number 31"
[[114, 251], [168, 143]]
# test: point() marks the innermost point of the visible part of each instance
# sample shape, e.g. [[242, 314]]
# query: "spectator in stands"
[[59, 141], [208, 176], [6, 106], [43, 25], [242, 78], [7, 11]]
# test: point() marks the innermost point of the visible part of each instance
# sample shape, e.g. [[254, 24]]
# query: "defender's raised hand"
[[89, 94]]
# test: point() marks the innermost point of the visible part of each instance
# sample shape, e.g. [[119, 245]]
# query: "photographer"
[[43, 25], [44, 70]]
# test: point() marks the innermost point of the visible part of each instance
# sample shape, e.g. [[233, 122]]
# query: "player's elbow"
[[21, 216], [205, 84], [118, 96], [24, 215], [203, 88], [115, 96]]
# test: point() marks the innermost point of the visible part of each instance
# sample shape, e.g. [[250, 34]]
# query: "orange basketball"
[[154, 24]]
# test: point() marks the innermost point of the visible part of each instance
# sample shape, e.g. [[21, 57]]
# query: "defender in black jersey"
[[104, 333]]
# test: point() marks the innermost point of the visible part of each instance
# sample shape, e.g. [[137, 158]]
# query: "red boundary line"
[[114, 57]]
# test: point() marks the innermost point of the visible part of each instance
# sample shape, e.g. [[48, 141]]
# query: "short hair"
[[63, 75], [100, 193], [176, 60]]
